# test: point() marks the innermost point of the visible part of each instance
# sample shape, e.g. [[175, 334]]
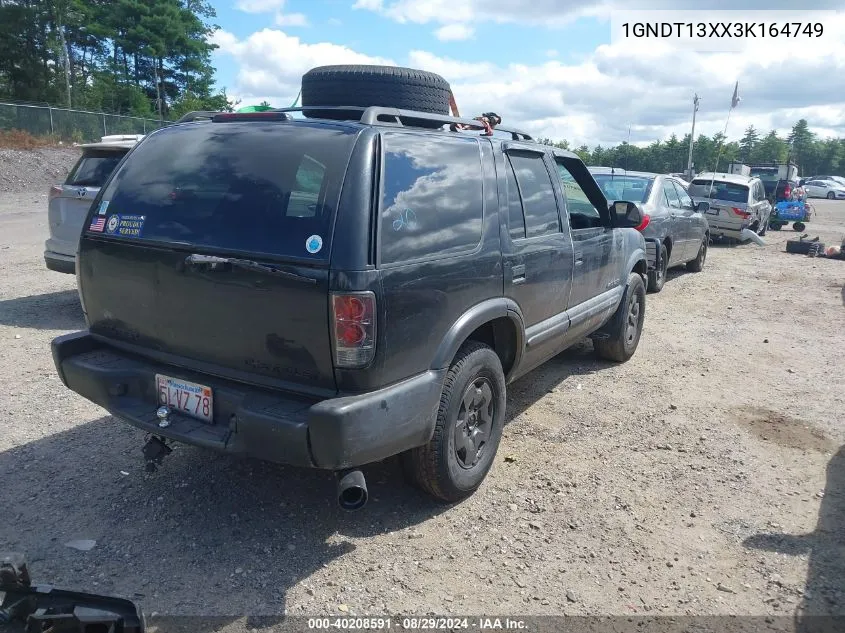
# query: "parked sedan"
[[676, 232], [829, 189], [837, 179], [68, 202]]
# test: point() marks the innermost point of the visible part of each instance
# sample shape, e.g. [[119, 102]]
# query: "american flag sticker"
[[98, 224]]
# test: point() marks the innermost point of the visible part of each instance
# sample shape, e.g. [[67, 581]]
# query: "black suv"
[[329, 293]]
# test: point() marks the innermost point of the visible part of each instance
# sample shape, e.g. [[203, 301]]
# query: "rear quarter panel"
[[421, 301]]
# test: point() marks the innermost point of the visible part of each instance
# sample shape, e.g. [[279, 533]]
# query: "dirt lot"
[[705, 476]]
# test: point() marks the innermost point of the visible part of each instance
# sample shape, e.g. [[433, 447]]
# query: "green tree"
[[748, 143], [771, 149]]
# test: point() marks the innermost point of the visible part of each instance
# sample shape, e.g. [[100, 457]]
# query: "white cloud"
[[260, 6], [369, 5], [272, 62], [552, 53], [554, 13], [454, 32], [646, 85], [291, 19]]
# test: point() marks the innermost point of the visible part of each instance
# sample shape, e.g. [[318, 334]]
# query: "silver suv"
[[736, 203], [69, 202]]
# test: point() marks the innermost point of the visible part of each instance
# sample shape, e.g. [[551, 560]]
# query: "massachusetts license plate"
[[186, 397]]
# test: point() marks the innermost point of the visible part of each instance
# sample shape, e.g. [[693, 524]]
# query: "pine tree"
[[748, 143]]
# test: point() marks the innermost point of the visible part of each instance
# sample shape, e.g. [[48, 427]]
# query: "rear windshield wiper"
[[247, 264]]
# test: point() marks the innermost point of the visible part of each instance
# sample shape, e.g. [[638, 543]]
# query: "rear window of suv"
[[249, 187], [728, 191], [94, 167]]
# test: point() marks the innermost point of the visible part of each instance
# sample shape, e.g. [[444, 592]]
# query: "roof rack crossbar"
[[197, 115], [373, 115]]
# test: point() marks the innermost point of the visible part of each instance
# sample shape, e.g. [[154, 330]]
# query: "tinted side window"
[[582, 213], [537, 193], [432, 202], [671, 194], [683, 196], [516, 216]]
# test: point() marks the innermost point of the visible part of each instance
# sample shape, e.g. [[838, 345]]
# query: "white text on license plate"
[[186, 397]]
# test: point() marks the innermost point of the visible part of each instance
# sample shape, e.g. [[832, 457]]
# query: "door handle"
[[579, 259], [518, 272]]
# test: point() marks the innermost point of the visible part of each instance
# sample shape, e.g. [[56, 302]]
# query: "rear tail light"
[[644, 223], [55, 192], [353, 328], [787, 191], [741, 213]]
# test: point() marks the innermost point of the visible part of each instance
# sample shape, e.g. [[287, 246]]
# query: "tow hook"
[[155, 450]]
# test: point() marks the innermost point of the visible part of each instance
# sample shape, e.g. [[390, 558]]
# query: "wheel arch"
[[495, 322]]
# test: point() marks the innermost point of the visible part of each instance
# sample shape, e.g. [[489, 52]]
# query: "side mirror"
[[702, 207], [626, 215]]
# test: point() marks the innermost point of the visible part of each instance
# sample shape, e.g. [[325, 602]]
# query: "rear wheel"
[[657, 277], [697, 264], [626, 326], [798, 226], [468, 428]]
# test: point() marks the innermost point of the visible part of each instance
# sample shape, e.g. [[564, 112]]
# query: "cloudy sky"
[[550, 67]]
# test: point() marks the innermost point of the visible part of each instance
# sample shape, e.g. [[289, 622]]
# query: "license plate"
[[186, 397]]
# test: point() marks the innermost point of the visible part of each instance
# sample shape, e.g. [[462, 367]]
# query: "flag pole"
[[734, 101], [692, 136]]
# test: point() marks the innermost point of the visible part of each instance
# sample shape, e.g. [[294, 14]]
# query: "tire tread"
[[422, 463]]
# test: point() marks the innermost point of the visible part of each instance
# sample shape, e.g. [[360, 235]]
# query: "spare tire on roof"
[[364, 86]]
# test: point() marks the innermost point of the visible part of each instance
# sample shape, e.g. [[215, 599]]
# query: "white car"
[[68, 202], [829, 189]]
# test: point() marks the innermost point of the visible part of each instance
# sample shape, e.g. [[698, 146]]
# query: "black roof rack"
[[378, 115]]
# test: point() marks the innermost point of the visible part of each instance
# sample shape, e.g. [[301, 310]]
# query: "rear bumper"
[[723, 228], [340, 432], [60, 263]]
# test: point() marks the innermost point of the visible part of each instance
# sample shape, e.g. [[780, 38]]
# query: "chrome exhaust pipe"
[[351, 489]]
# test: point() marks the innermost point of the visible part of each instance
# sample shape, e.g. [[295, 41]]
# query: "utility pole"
[[692, 136]]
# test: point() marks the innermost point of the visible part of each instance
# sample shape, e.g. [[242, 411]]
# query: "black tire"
[[798, 226], [775, 226], [623, 341], [364, 86], [697, 265], [657, 278], [830, 195], [438, 467]]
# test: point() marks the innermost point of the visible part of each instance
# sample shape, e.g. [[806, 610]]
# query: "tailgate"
[[67, 212], [236, 321]]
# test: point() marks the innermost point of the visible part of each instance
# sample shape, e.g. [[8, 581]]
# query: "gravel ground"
[[705, 476], [29, 170]]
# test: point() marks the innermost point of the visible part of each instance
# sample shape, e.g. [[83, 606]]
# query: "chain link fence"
[[71, 125]]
